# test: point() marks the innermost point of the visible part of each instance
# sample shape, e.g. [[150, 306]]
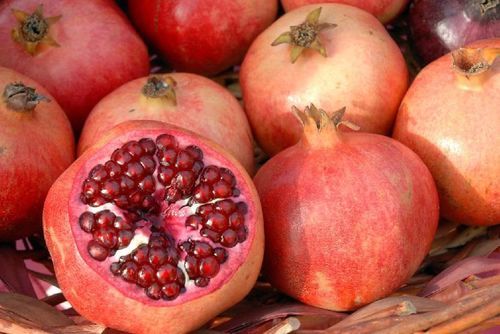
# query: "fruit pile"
[[249, 166]]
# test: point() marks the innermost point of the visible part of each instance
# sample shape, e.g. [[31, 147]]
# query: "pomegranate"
[[204, 37], [348, 216], [333, 55], [384, 10], [79, 50], [450, 118], [186, 100], [154, 229], [36, 146]]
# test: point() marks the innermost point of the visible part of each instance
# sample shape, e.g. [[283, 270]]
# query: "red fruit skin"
[[456, 133], [204, 37], [364, 71], [202, 106], [384, 10], [35, 148], [99, 50], [346, 224], [93, 296]]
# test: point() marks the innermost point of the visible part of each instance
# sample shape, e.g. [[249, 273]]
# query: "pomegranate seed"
[[121, 157], [205, 210], [209, 267], [154, 291], [146, 276], [242, 234], [124, 238], [129, 270], [147, 184], [134, 148], [110, 189], [185, 180], [226, 207], [172, 255], [97, 251], [165, 175], [202, 193], [184, 160], [140, 254], [236, 220], [193, 222], [121, 224], [114, 170], [167, 157], [166, 140], [221, 189], [172, 195], [242, 208], [195, 152], [115, 268], [212, 235], [192, 266], [104, 218], [97, 201], [148, 145], [216, 222], [98, 173], [202, 249], [170, 291], [229, 238], [227, 176], [134, 170], [158, 240], [210, 175], [157, 256], [135, 199], [90, 188], [197, 167], [148, 203], [121, 201], [148, 163], [181, 279], [126, 184], [87, 221], [220, 254], [106, 236], [166, 273], [202, 282]]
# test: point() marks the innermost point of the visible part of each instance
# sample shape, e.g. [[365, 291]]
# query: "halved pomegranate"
[[151, 224]]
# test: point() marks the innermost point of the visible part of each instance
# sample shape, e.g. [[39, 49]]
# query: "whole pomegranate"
[[348, 216], [384, 10], [78, 50], [332, 55], [204, 37], [154, 229], [36, 146], [186, 100], [450, 117]]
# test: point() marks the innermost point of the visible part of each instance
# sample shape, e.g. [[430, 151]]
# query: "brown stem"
[[21, 98], [472, 66], [160, 87]]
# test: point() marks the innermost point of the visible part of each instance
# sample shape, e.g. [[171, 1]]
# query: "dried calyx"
[[320, 129], [305, 36], [33, 29], [160, 87], [472, 65], [19, 97]]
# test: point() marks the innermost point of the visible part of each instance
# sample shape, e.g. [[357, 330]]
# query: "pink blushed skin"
[[203, 37], [201, 106], [384, 10], [108, 300], [99, 50], [455, 129], [349, 222], [35, 148], [364, 71]]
